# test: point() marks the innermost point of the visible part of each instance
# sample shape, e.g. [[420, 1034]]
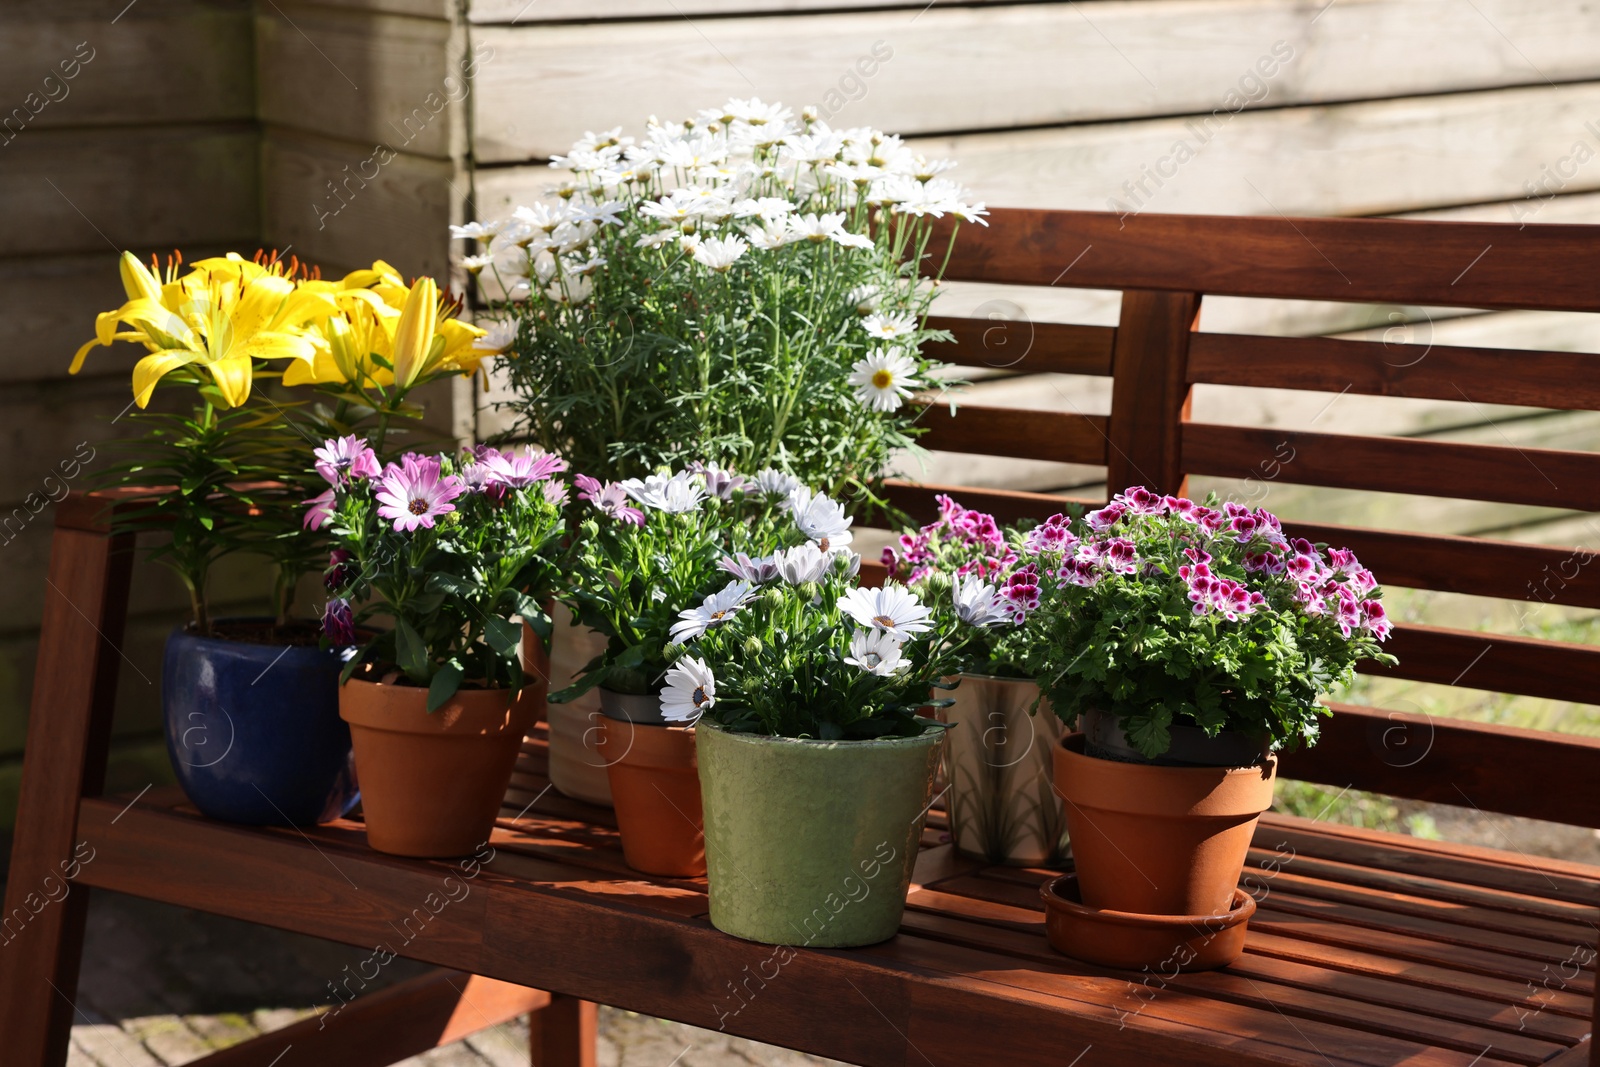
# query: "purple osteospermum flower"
[[555, 492], [339, 571], [609, 499], [339, 623], [414, 494], [342, 460], [757, 571], [517, 472], [319, 509]]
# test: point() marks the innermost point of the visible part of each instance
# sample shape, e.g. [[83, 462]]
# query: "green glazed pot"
[[812, 842]]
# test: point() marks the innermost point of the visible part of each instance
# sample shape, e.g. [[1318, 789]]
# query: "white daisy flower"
[[542, 216], [820, 518], [477, 231], [716, 608], [591, 141], [582, 267], [852, 240], [720, 253], [803, 563], [816, 228], [865, 298], [776, 483], [474, 264], [876, 653], [894, 609], [501, 336], [890, 327], [769, 237], [688, 242], [884, 379], [691, 689], [608, 213], [977, 602], [657, 239], [676, 493], [767, 208]]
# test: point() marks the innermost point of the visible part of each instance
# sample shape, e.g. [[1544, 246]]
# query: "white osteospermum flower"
[[894, 609], [875, 652], [884, 379], [720, 253], [890, 327], [776, 483], [977, 602], [803, 563], [501, 336], [820, 518], [477, 231], [673, 494], [691, 689], [716, 608]]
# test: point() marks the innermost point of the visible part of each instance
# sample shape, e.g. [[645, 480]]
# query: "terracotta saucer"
[[1167, 943]]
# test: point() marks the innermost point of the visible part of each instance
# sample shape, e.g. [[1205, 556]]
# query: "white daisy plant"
[[775, 264]]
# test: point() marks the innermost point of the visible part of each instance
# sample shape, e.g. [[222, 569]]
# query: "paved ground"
[[164, 986]]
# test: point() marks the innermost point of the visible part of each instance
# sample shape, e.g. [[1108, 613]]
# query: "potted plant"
[[745, 287], [1000, 799], [1191, 642], [816, 766], [250, 704], [445, 549], [649, 547]]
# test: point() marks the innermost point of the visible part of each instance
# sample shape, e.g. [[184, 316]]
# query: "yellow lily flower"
[[223, 316], [416, 336]]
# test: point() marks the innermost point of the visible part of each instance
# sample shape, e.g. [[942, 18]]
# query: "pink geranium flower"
[[414, 493], [342, 460]]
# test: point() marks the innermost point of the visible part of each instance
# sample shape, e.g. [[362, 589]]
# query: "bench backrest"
[[1164, 265]]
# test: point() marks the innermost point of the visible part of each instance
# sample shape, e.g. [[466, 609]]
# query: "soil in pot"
[[813, 842], [432, 782], [252, 723], [655, 786], [1159, 840]]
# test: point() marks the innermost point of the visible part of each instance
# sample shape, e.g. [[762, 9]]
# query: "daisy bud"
[[752, 645]]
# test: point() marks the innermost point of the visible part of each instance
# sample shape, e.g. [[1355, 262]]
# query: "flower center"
[[872, 659], [883, 622], [699, 695], [418, 506], [823, 544], [882, 379], [717, 616]]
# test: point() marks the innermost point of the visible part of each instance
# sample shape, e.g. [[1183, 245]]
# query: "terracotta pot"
[[813, 842], [432, 783], [1163, 944], [1159, 840], [655, 787], [1001, 799]]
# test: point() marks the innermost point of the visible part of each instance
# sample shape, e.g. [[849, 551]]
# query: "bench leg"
[[564, 1034], [69, 729]]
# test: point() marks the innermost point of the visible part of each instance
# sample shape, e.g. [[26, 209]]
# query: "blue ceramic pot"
[[254, 730]]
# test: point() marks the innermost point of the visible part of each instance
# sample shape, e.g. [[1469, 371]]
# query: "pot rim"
[[934, 730], [185, 631]]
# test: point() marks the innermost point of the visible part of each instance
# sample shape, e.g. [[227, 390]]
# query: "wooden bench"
[[1368, 949]]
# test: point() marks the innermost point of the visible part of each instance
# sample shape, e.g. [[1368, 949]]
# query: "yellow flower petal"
[[152, 368], [137, 281], [414, 335], [232, 375]]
